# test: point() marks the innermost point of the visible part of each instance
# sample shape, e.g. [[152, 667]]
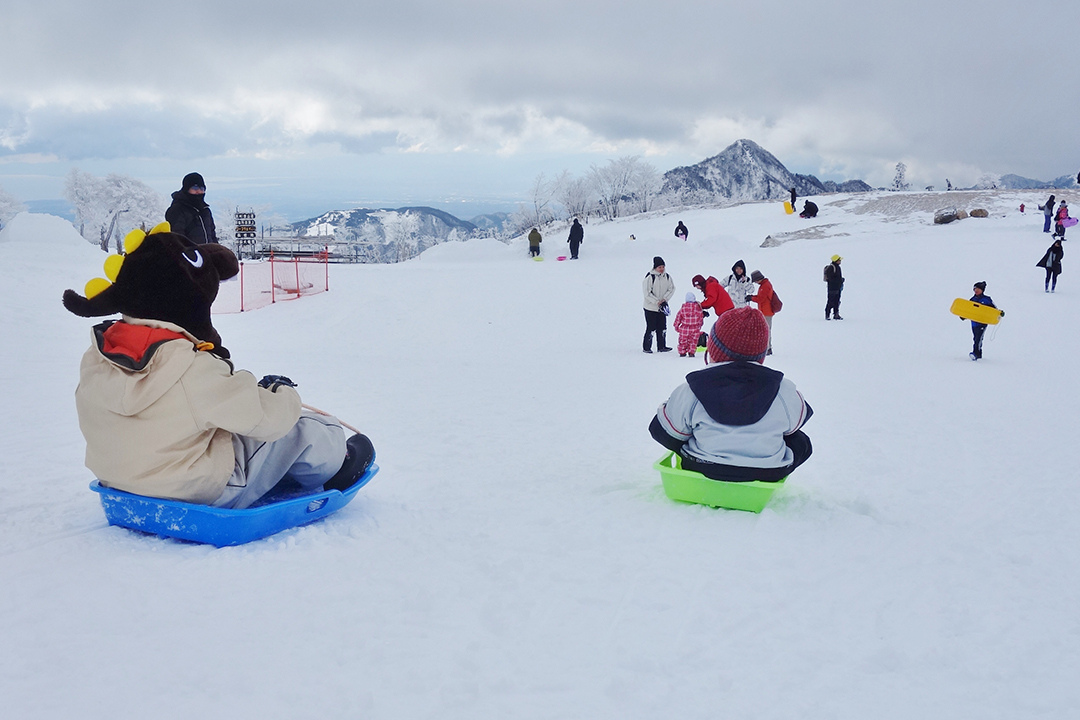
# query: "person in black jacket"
[[809, 210], [834, 285], [577, 234], [189, 215], [681, 232], [1052, 262]]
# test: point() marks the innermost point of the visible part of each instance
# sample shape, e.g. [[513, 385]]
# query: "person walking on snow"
[[681, 232], [658, 289], [834, 285], [1062, 216], [535, 238], [716, 297], [793, 196], [1052, 262], [1048, 213], [738, 285], [978, 329], [189, 215], [577, 234], [764, 300], [688, 322]]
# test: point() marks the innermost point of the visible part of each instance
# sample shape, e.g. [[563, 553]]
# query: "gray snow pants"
[[309, 454]]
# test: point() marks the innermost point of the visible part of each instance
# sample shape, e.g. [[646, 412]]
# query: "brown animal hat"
[[162, 276]]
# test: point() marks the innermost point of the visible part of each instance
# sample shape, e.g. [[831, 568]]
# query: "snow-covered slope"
[[516, 556]]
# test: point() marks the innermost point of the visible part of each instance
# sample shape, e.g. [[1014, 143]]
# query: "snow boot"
[[359, 454]]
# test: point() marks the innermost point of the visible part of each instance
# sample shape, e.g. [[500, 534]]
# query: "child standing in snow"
[[764, 299], [978, 329], [1062, 216], [736, 420], [688, 322]]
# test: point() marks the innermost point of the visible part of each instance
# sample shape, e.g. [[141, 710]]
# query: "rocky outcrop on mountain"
[[745, 171], [385, 235]]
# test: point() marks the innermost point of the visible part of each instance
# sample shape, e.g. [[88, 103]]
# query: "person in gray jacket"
[[736, 420], [1048, 213], [658, 289]]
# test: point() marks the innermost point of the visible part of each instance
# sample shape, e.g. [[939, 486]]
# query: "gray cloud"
[[839, 88]]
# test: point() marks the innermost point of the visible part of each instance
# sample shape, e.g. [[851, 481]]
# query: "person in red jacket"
[[764, 300], [716, 297]]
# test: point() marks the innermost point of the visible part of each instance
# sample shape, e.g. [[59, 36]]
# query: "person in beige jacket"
[[163, 410]]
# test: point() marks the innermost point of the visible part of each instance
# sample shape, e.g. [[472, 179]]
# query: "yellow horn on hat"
[[112, 266], [161, 227], [133, 240], [96, 287]]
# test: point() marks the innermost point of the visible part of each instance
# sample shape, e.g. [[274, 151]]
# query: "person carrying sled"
[[688, 322], [1060, 218], [658, 289], [164, 412], [809, 210], [189, 215], [535, 238], [1051, 261], [736, 420], [766, 301], [577, 234], [681, 232], [716, 297], [979, 329], [834, 285], [738, 285], [1048, 213]]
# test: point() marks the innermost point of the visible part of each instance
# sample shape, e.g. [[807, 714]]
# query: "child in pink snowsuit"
[[688, 322]]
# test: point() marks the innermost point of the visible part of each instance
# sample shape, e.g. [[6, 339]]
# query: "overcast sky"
[[320, 104]]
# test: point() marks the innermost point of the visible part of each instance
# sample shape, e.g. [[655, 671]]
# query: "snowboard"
[[787, 207], [971, 310]]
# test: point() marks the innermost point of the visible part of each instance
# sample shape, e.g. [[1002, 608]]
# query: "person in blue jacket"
[[977, 329]]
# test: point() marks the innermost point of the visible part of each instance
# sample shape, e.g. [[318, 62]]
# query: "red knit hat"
[[739, 334]]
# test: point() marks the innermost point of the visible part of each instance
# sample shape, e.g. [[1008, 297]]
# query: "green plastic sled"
[[693, 487]]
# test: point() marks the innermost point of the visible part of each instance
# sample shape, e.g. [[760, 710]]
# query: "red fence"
[[275, 280]]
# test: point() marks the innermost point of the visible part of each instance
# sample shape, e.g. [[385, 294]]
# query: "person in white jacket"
[[736, 420], [739, 285], [657, 288]]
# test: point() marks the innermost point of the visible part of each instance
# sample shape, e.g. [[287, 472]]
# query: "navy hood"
[[736, 393]]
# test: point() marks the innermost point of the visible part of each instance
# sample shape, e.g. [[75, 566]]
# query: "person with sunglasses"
[[189, 215]]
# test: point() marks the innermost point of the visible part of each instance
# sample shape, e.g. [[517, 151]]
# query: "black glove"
[[704, 313], [273, 382]]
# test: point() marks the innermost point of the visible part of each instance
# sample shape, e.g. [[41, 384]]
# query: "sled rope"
[[323, 412]]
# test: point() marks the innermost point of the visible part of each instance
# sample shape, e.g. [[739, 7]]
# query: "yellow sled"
[[971, 310], [787, 207]]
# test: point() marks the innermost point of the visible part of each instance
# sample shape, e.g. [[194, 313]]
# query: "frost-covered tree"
[[988, 181], [576, 195], [9, 207], [402, 233], [612, 183], [644, 186], [541, 195], [108, 207], [900, 179]]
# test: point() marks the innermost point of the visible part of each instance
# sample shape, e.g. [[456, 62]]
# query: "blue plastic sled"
[[217, 526]]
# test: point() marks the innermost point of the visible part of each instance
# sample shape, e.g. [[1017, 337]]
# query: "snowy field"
[[516, 556]]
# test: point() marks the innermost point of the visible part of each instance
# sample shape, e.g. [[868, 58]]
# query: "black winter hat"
[[193, 180], [657, 262], [981, 285], [164, 276]]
